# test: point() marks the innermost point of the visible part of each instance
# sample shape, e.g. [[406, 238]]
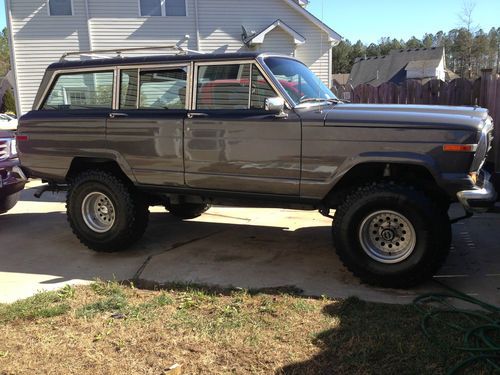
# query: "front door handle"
[[117, 114], [196, 114]]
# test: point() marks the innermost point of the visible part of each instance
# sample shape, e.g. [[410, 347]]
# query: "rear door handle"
[[196, 114], [117, 114]]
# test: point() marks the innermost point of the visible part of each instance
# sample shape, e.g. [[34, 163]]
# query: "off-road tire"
[[7, 203], [187, 210], [431, 224], [131, 211]]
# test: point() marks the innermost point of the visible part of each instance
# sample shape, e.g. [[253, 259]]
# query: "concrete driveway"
[[229, 247]]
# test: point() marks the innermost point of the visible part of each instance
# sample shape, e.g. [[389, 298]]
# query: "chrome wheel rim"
[[387, 236], [98, 212]]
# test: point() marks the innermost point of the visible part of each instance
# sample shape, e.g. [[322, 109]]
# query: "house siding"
[[40, 39]]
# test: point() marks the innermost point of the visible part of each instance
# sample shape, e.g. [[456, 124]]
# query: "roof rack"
[[119, 51]]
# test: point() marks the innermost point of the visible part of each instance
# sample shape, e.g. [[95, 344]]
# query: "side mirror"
[[276, 105]]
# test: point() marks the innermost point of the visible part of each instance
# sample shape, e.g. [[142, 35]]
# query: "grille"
[[484, 146], [4, 149]]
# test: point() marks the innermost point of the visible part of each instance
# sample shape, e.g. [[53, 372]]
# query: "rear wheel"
[[187, 210], [8, 202], [105, 214], [391, 235]]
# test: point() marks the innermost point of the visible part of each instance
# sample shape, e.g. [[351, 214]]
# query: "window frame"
[[163, 9], [60, 73], [61, 15], [145, 68], [253, 64]]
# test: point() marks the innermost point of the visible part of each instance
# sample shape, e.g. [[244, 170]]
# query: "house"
[[42, 30], [421, 63]]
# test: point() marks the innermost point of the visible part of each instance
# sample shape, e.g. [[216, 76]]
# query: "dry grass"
[[111, 329]]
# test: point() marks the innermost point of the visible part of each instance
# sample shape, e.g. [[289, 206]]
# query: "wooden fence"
[[484, 92]]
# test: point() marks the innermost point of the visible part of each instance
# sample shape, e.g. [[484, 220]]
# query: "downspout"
[[197, 26], [89, 28], [13, 57]]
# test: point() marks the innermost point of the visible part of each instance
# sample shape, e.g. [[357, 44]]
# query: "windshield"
[[298, 81]]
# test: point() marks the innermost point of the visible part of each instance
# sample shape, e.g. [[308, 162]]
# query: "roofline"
[[334, 36], [258, 38]]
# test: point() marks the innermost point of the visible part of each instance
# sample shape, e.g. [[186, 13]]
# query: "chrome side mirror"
[[276, 105]]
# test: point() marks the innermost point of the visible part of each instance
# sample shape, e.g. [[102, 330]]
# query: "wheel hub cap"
[[387, 236], [98, 212]]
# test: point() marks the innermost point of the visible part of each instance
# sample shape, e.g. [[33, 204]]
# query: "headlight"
[[13, 148]]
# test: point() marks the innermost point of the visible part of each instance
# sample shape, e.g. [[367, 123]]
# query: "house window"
[[60, 7], [175, 8], [150, 7]]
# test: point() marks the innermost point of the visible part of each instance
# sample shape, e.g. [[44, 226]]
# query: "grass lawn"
[[108, 328]]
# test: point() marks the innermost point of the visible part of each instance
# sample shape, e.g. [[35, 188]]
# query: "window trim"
[[163, 9], [59, 73], [253, 63], [61, 15]]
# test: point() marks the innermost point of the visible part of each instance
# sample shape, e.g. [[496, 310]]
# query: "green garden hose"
[[478, 327]]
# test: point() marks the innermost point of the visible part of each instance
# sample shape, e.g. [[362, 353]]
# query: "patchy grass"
[[42, 305], [114, 329]]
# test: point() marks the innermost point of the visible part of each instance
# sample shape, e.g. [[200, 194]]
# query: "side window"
[[223, 86], [163, 89], [261, 90], [128, 89], [60, 7], [81, 91]]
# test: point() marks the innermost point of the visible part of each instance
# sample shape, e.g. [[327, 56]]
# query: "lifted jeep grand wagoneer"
[[188, 131]]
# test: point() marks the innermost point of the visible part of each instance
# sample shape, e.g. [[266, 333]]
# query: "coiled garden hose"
[[479, 327]]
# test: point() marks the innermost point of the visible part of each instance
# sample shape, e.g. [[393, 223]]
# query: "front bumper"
[[481, 198], [12, 178]]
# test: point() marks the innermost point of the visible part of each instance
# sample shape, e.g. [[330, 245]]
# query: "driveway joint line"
[[143, 266]]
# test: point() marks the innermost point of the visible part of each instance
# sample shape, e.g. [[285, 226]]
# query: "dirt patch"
[[111, 329]]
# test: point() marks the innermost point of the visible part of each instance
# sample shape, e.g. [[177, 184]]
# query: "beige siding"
[[40, 39], [278, 41]]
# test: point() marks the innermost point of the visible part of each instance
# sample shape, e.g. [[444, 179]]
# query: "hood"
[[406, 116]]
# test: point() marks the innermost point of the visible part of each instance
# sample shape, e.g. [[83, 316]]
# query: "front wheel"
[[8, 202], [391, 235], [105, 214]]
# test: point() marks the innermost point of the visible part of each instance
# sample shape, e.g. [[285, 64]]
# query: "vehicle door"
[[146, 128], [73, 114], [231, 142]]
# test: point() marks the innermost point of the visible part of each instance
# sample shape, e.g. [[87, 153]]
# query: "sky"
[[369, 20]]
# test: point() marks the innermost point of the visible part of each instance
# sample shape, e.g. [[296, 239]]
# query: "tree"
[[466, 16], [8, 102], [341, 56], [414, 43], [4, 52]]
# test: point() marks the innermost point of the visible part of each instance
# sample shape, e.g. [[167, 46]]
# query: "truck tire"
[[8, 202], [187, 210], [391, 235], [104, 213]]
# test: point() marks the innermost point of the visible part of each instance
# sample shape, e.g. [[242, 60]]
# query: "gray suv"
[[187, 131], [12, 178]]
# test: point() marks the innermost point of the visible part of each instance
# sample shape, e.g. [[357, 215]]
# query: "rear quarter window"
[[89, 90]]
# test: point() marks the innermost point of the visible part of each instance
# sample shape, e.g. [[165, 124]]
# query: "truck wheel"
[[187, 210], [391, 235], [8, 202], [105, 214]]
